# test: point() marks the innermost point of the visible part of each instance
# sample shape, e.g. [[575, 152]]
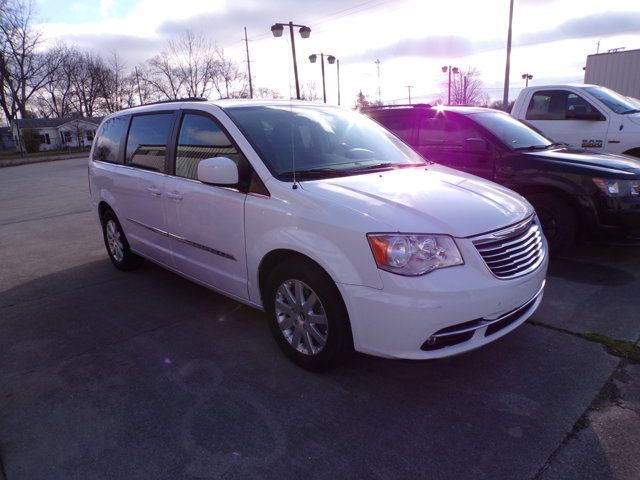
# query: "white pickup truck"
[[586, 116]]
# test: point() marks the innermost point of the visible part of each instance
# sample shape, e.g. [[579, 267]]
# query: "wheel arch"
[[634, 152], [581, 207], [104, 207], [272, 258]]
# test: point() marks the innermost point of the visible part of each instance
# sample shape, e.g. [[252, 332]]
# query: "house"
[[56, 133], [6, 139]]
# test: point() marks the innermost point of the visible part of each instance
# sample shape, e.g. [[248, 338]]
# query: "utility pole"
[[598, 48], [377, 62], [246, 44], [505, 96], [409, 87], [338, 67]]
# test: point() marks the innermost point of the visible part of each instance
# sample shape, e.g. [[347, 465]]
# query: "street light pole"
[[295, 60], [505, 96], [331, 59], [305, 31], [450, 69], [526, 77]]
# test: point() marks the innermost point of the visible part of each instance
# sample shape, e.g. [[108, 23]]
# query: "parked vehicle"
[[572, 190], [586, 116], [339, 231]]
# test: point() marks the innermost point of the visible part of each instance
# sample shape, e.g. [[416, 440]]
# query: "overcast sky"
[[412, 39]]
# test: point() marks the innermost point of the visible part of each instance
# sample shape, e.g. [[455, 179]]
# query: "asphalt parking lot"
[[145, 375]]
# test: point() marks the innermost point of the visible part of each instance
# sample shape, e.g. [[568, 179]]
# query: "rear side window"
[[399, 122], [147, 141], [446, 130], [557, 105], [200, 138], [108, 142]]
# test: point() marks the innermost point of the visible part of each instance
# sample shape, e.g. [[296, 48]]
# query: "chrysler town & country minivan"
[[340, 232]]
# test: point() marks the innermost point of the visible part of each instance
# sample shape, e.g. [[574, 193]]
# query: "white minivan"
[[341, 233]]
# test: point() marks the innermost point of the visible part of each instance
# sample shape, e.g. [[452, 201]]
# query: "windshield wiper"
[[314, 173], [384, 166], [633, 110], [541, 147]]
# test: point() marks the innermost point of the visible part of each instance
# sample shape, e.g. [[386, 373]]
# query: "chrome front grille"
[[513, 251]]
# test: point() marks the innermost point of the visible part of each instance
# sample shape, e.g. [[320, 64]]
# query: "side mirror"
[[218, 171], [476, 145]]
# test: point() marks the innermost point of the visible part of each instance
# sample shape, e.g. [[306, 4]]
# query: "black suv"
[[572, 190]]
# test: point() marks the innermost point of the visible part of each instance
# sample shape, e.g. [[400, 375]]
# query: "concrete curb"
[[12, 162]]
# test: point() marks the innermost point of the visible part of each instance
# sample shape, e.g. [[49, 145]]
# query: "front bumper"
[[467, 301]]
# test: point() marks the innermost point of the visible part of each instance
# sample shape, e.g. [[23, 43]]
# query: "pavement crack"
[[618, 348], [45, 217], [607, 394]]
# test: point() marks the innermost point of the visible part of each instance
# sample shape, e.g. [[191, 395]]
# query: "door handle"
[[174, 195], [153, 190]]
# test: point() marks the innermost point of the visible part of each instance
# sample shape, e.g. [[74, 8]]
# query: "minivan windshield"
[[320, 142], [613, 100], [512, 132]]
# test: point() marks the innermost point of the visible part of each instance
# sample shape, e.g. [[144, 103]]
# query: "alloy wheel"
[[114, 240], [301, 317]]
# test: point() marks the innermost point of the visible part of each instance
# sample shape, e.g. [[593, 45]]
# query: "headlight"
[[618, 188], [413, 254]]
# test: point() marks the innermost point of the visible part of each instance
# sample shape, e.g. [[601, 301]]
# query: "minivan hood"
[[432, 199], [593, 161]]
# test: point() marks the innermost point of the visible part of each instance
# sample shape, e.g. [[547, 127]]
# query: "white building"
[[620, 71], [56, 133]]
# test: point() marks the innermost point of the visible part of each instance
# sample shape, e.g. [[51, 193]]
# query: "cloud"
[[598, 25], [133, 49], [105, 7], [445, 46]]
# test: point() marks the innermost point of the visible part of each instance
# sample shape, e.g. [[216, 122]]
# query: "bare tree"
[[86, 72], [466, 88], [229, 80], [309, 92], [57, 97], [23, 69], [113, 84], [266, 92], [194, 60], [163, 77], [362, 101]]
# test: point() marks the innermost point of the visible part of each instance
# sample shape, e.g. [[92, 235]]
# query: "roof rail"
[[413, 105], [173, 100]]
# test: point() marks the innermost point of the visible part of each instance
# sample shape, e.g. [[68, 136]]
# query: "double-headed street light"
[[331, 59], [277, 30], [526, 77], [450, 69]]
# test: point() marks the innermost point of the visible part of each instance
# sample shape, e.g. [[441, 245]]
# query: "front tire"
[[307, 316], [117, 246], [557, 219]]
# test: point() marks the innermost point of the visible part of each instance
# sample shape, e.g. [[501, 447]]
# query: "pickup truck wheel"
[[557, 219], [307, 316], [117, 246]]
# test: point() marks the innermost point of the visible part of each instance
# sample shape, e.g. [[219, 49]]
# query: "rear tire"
[[117, 245], [307, 316], [557, 219]]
